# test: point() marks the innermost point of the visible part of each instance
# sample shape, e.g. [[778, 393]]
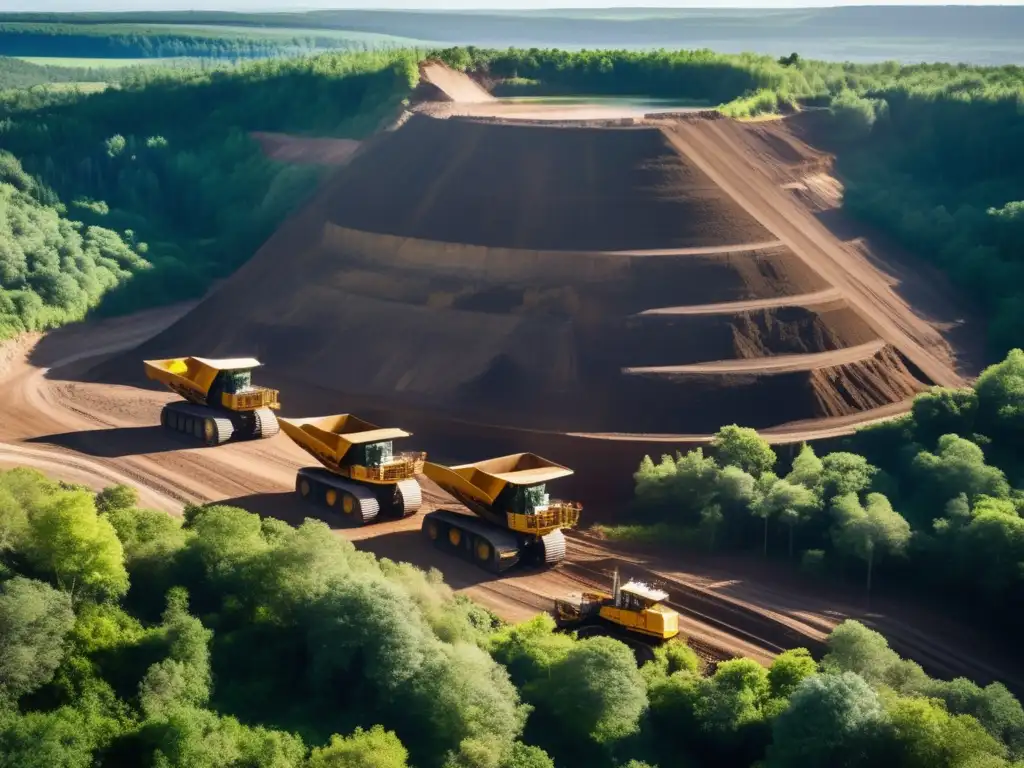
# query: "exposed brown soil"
[[537, 187], [453, 86], [781, 149], [97, 433]]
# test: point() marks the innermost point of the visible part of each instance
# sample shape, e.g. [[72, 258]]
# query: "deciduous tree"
[[742, 447], [870, 530], [34, 620]]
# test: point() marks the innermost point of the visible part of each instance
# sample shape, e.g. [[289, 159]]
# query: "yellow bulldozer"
[[634, 613], [362, 475], [221, 402], [515, 521]]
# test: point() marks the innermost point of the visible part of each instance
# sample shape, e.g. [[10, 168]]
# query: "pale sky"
[[283, 5]]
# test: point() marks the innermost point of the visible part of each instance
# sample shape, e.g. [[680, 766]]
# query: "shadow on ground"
[[118, 442]]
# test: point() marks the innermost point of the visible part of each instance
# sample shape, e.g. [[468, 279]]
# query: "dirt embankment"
[[453, 86]]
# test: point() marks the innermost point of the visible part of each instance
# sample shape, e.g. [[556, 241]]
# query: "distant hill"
[[984, 35]]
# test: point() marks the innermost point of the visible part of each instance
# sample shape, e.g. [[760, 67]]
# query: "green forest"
[[146, 193], [980, 34], [219, 639], [137, 42], [930, 502]]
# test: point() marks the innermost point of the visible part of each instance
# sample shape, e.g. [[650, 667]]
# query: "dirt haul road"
[[100, 434], [456, 86]]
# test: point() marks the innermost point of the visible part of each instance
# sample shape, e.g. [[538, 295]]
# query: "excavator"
[[362, 476], [221, 402], [633, 613], [513, 522]]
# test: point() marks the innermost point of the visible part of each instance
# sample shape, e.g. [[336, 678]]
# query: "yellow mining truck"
[[221, 401], [515, 521], [362, 475], [633, 613]]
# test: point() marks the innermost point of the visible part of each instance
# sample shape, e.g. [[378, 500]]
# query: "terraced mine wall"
[[498, 287]]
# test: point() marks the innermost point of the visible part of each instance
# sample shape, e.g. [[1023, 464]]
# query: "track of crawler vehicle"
[[215, 427], [489, 547], [358, 504]]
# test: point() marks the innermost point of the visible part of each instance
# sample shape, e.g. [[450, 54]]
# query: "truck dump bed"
[[479, 485], [330, 439], [192, 378]]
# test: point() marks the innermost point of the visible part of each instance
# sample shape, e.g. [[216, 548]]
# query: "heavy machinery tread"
[[554, 546], [503, 549], [354, 502], [199, 423], [410, 495], [266, 423]]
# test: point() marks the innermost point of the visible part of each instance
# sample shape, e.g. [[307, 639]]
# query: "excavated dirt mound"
[[538, 187], [540, 279]]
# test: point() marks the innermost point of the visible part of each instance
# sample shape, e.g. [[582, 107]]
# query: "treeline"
[[690, 75], [166, 160], [931, 500], [106, 42], [939, 165], [986, 32], [53, 269], [220, 640]]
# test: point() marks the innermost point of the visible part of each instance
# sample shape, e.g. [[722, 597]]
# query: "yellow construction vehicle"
[[634, 613], [515, 520], [362, 476], [221, 401]]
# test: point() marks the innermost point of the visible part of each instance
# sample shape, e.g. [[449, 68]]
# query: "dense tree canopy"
[[142, 194], [279, 647]]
